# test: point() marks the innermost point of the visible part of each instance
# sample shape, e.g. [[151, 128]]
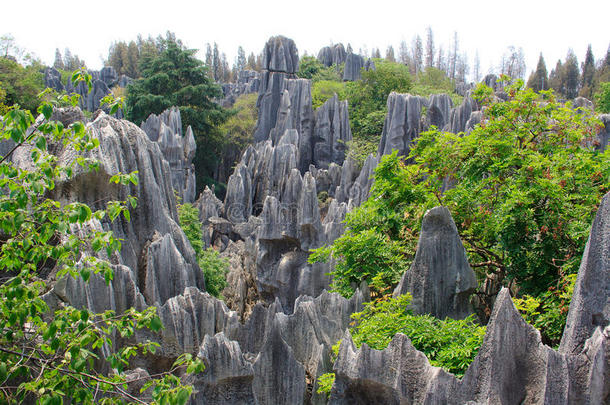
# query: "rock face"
[[331, 132], [353, 64], [440, 278], [271, 338], [512, 367], [102, 82], [332, 55], [590, 306], [166, 130], [603, 137], [402, 124], [248, 81]]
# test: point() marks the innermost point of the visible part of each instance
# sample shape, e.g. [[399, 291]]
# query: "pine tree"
[[251, 63], [571, 77], [176, 78], [389, 54], [588, 74], [418, 55], [538, 80], [556, 81], [240, 62], [208, 59], [216, 64], [59, 63], [429, 47], [476, 74], [403, 53], [132, 57]]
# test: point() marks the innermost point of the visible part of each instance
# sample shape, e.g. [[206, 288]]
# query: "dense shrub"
[[213, 266]]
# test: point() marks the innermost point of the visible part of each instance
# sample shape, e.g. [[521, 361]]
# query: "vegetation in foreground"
[[54, 355]]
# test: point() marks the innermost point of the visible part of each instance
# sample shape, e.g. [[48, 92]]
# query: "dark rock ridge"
[[332, 55], [166, 130], [440, 278]]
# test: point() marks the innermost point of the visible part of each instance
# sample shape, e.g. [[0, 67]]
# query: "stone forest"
[[321, 270]]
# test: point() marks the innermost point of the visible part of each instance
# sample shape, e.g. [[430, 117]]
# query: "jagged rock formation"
[[331, 132], [590, 306], [512, 367], [102, 82], [271, 339], [166, 130], [156, 261], [353, 64], [440, 278], [402, 124], [247, 82], [332, 55]]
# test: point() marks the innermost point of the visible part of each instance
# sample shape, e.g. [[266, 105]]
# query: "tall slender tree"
[[429, 47], [59, 62], [588, 74], [389, 54], [418, 55], [538, 80], [571, 75]]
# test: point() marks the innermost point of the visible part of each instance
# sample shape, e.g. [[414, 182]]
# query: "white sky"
[[88, 28]]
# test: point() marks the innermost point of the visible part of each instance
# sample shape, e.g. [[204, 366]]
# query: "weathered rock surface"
[[332, 55], [402, 124], [248, 81], [228, 377], [512, 367], [353, 64], [331, 132], [440, 278], [178, 150], [102, 82], [603, 137], [590, 306], [281, 55], [156, 261]]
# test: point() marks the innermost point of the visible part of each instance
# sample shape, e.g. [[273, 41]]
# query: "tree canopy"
[[174, 77], [522, 187]]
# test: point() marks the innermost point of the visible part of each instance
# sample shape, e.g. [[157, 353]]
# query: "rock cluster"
[[332, 55], [247, 82], [166, 130], [102, 83], [288, 194]]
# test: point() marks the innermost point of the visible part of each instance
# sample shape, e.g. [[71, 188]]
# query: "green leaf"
[[41, 143], [155, 324]]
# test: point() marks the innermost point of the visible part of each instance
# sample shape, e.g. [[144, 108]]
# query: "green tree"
[[59, 62], [20, 84], [175, 77], [367, 97], [538, 80], [53, 356], [556, 78], [602, 98], [309, 66], [588, 74], [571, 76], [213, 266], [132, 56], [525, 190]]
